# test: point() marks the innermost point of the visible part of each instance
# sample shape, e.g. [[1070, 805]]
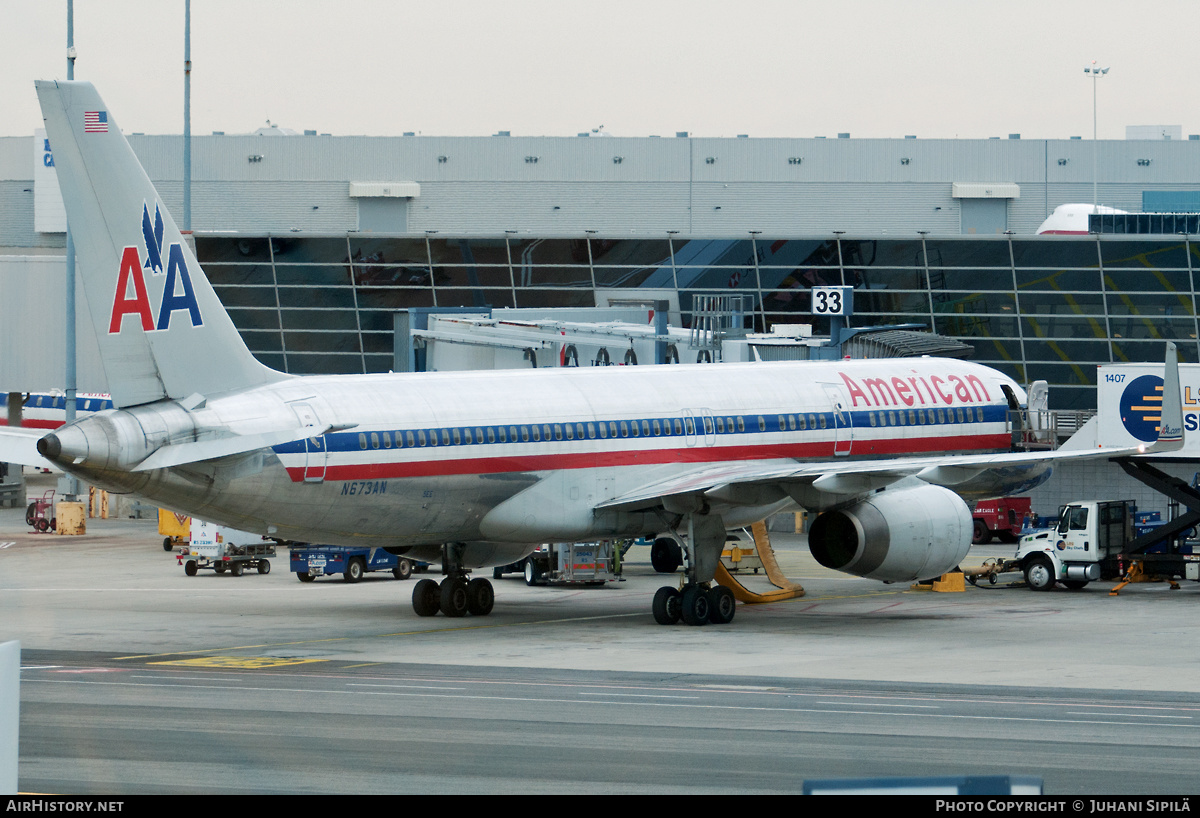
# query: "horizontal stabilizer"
[[19, 445], [194, 452]]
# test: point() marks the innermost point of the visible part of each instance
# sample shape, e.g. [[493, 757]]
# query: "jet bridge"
[[461, 339]]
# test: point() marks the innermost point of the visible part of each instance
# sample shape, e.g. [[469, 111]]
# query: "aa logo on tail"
[[131, 297]]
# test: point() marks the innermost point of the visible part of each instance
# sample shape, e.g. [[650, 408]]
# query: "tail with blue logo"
[[160, 328]]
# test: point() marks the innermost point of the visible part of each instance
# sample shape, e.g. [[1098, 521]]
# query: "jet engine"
[[895, 536]]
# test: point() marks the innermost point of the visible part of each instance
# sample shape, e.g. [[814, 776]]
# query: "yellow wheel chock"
[[786, 588]]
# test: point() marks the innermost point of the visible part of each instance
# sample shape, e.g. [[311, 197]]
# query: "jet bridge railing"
[[1045, 429]]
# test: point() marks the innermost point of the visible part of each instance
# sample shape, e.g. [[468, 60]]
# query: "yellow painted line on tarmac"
[[239, 662]]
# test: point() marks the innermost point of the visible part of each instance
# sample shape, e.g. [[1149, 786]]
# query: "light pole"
[[1096, 74], [70, 485]]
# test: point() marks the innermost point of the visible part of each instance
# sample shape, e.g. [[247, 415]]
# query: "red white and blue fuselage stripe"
[[46, 410], [883, 426]]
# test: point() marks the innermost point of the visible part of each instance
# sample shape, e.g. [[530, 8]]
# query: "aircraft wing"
[[727, 483], [842, 477], [19, 445]]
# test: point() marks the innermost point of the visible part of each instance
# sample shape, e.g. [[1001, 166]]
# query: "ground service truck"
[[1096, 540]]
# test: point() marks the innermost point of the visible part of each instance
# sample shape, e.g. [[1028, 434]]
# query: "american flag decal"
[[95, 121]]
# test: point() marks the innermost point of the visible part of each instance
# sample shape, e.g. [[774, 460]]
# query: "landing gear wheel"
[[480, 597], [665, 556], [426, 598], [403, 569], [721, 605], [189, 568], [981, 534], [694, 605], [1039, 575], [532, 574], [452, 594], [666, 606], [354, 570], [264, 566]]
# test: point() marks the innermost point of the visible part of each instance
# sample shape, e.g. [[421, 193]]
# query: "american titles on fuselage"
[[910, 391]]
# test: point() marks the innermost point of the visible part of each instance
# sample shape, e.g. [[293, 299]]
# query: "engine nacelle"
[[895, 536]]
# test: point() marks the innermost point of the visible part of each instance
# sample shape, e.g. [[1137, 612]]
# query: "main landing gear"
[[457, 594], [700, 601], [695, 605]]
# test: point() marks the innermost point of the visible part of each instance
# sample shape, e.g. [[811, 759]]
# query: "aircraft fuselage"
[[524, 456]]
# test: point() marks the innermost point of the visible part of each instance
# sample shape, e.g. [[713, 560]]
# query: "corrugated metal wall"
[[32, 330], [622, 185]]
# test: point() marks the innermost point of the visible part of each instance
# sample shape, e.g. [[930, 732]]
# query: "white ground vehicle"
[[1096, 540], [225, 549]]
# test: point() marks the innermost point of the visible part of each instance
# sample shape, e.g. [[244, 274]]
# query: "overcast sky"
[[767, 68]]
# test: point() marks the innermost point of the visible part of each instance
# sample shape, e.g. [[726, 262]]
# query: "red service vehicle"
[[1004, 518]]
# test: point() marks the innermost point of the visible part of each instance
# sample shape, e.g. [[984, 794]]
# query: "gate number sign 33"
[[828, 301]]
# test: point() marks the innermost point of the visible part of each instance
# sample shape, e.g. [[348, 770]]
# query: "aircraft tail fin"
[[1170, 424], [160, 328]]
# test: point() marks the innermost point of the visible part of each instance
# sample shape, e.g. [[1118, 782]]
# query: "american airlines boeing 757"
[[475, 469]]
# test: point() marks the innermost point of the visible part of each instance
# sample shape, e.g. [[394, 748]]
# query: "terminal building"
[[315, 242]]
